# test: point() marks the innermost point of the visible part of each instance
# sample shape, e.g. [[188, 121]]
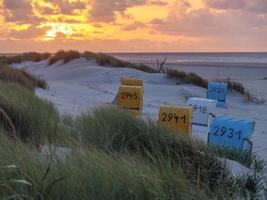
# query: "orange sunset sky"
[[133, 25]]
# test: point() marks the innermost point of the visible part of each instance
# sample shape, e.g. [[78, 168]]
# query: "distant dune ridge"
[[106, 60]]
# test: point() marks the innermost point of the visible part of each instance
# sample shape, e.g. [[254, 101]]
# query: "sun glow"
[[71, 31], [56, 30]]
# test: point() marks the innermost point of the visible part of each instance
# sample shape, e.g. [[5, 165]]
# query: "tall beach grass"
[[89, 174], [113, 156], [31, 119], [112, 130]]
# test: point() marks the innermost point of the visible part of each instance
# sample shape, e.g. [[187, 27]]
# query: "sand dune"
[[80, 86]]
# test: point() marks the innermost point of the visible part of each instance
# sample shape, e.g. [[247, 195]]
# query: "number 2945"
[[129, 95]]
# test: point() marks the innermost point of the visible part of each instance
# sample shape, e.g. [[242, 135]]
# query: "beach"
[[133, 99], [80, 86]]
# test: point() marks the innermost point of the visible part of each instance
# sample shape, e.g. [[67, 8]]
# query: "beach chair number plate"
[[228, 132], [131, 98], [200, 115], [200, 109], [178, 119], [129, 95], [217, 90], [167, 117]]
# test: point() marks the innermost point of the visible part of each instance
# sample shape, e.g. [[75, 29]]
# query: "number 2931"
[[227, 132]]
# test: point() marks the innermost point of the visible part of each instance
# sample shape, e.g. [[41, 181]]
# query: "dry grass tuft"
[[30, 56], [107, 60], [8, 74], [238, 87], [182, 77], [65, 56]]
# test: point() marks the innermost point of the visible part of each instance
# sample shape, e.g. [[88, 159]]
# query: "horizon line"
[[139, 52]]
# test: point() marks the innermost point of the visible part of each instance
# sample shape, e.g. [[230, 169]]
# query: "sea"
[[242, 66]]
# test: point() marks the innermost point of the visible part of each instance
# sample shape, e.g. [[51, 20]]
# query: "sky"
[[133, 25]]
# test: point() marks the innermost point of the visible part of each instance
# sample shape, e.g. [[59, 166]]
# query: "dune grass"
[[30, 56], [113, 130], [89, 174], [100, 58], [238, 87], [32, 120], [109, 61], [65, 56], [233, 85], [116, 132], [11, 75], [114, 156], [182, 77]]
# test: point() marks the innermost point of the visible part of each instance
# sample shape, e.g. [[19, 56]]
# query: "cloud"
[[104, 10], [30, 33], [203, 22], [33, 12], [217, 24], [157, 21], [133, 26], [67, 7], [11, 46], [19, 11], [257, 6], [45, 9], [158, 2], [226, 4], [14, 4], [59, 7], [179, 10]]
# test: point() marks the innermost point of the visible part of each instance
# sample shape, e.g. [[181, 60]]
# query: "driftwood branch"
[[161, 64]]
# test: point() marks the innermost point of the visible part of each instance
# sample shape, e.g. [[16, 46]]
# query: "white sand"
[[80, 86]]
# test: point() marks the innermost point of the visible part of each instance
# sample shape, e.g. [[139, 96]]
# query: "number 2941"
[[167, 117]]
